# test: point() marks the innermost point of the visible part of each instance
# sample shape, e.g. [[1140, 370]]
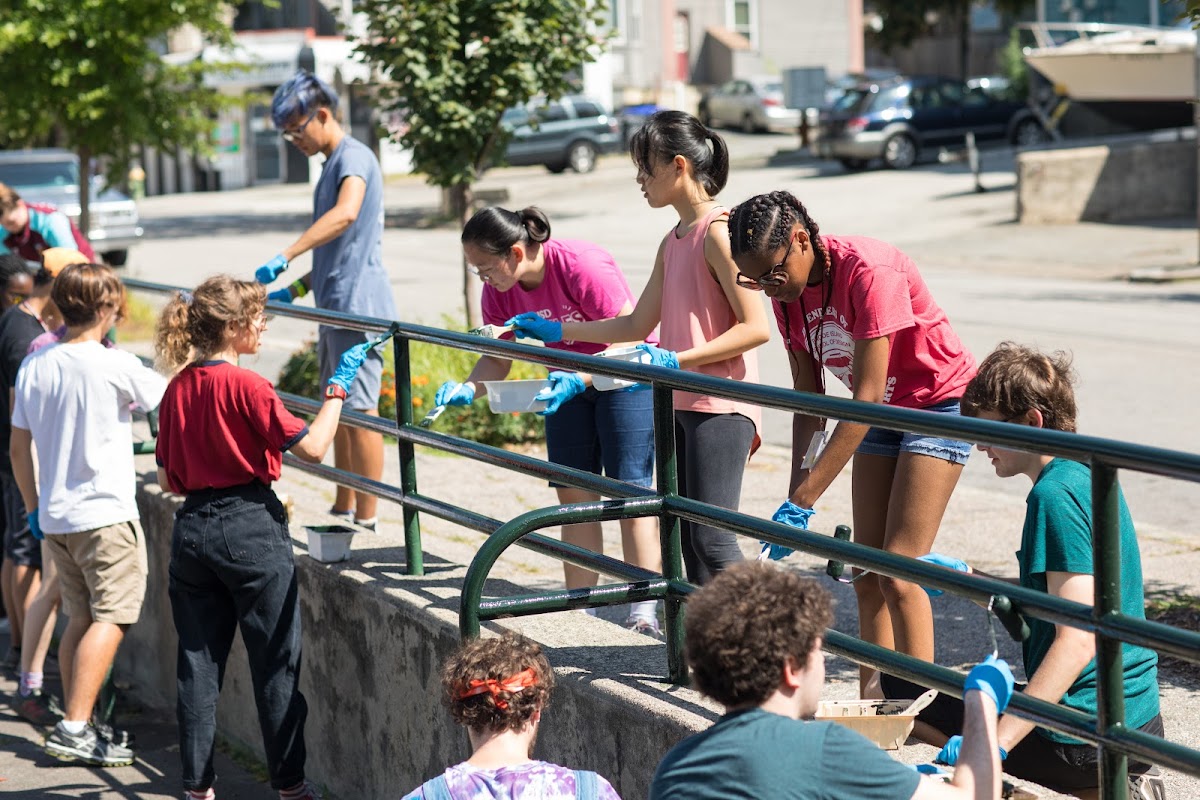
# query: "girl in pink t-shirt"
[[858, 308], [524, 270], [708, 323]]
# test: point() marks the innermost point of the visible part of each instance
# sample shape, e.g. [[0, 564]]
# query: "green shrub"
[[430, 366]]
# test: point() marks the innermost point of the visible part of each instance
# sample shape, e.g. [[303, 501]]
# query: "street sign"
[[804, 87]]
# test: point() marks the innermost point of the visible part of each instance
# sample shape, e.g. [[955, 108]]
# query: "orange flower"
[[417, 402], [420, 380]]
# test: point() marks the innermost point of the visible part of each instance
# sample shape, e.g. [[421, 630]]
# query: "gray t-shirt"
[[347, 273]]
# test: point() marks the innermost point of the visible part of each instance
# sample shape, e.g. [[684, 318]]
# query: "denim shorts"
[[884, 442], [364, 391], [609, 430]]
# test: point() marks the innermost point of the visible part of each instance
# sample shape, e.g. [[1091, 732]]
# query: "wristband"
[[298, 287]]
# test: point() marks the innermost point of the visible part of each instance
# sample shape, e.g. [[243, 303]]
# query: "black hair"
[[667, 134], [12, 264], [764, 223], [496, 229]]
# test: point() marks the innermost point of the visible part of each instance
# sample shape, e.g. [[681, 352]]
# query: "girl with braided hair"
[[859, 308], [707, 323]]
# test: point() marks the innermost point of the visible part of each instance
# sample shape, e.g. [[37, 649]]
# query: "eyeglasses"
[[775, 276], [292, 134], [483, 270]]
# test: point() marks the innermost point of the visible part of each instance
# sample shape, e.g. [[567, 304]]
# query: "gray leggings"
[[711, 452]]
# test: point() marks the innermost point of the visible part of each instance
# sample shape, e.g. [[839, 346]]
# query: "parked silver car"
[[52, 176], [754, 104]]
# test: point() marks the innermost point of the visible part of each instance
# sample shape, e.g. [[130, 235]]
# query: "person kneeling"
[[497, 689], [754, 645]]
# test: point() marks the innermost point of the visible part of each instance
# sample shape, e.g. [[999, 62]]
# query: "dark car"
[[52, 176], [896, 119], [569, 132]]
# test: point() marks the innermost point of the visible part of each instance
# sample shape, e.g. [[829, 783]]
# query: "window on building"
[[742, 16]]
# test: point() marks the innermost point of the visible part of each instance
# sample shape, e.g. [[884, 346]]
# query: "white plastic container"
[[329, 543], [604, 383], [515, 396]]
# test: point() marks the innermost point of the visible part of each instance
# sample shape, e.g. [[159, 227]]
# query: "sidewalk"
[[26, 771]]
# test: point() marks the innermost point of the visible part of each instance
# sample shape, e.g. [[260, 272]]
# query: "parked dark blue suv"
[[897, 118]]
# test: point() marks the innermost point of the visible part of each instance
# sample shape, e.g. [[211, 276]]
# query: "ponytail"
[[495, 230], [196, 324]]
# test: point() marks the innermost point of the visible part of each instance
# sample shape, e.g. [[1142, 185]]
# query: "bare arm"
[[804, 379], [751, 328], [635, 326], [870, 381], [1068, 655], [977, 775], [313, 446], [334, 222], [20, 451], [489, 368]]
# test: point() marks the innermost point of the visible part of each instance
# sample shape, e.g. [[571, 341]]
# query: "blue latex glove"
[[942, 561], [348, 367], [269, 271], [789, 514], [283, 295], [453, 393], [531, 326], [34, 527], [994, 678], [949, 753], [563, 386], [660, 357]]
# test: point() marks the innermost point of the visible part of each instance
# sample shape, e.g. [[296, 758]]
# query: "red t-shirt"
[[877, 291], [221, 426]]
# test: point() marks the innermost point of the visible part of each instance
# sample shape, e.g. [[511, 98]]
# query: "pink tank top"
[[695, 310]]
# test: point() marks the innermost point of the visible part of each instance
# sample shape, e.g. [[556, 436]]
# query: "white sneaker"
[[1147, 786]]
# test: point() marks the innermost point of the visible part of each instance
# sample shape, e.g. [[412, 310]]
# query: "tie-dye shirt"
[[536, 780]]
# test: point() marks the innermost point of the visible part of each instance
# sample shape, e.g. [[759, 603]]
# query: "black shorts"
[[1056, 765], [19, 545]]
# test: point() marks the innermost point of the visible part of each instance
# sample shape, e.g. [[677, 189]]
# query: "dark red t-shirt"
[[220, 426]]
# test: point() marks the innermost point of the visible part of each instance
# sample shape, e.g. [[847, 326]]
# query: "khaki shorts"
[[102, 573]]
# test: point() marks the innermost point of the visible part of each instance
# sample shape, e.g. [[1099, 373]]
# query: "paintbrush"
[[491, 331]]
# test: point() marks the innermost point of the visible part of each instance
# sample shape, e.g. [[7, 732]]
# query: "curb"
[[1172, 274]]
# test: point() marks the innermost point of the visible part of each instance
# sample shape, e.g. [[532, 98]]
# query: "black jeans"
[[711, 452], [1059, 766], [232, 567]]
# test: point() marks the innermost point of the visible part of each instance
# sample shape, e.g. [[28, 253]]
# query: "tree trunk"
[[85, 188], [964, 41], [460, 207]]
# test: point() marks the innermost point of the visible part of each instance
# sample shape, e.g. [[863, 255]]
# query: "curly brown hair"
[[196, 324], [745, 624], [1014, 379], [496, 659]]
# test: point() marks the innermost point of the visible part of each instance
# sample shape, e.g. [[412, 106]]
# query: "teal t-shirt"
[[756, 754], [1058, 538]]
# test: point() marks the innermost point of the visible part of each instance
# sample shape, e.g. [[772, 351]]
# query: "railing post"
[[667, 479], [414, 556], [1110, 678]]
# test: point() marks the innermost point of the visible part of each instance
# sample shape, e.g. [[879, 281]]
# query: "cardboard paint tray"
[[878, 720], [329, 543]]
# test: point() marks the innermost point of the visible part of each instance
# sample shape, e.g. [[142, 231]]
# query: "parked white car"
[[753, 104]]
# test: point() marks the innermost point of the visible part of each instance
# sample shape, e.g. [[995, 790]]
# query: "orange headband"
[[522, 680]]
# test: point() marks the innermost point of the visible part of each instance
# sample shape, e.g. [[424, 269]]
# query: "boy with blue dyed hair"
[[347, 275]]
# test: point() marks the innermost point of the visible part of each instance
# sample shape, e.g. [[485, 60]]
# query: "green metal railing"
[[1107, 730]]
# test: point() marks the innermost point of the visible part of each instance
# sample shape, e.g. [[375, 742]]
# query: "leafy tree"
[[1192, 12], [451, 68], [907, 20], [88, 73]]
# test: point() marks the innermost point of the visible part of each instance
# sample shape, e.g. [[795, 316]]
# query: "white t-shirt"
[[75, 399]]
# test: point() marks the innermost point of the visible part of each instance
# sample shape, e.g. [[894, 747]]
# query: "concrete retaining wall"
[[373, 643], [1107, 183]]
